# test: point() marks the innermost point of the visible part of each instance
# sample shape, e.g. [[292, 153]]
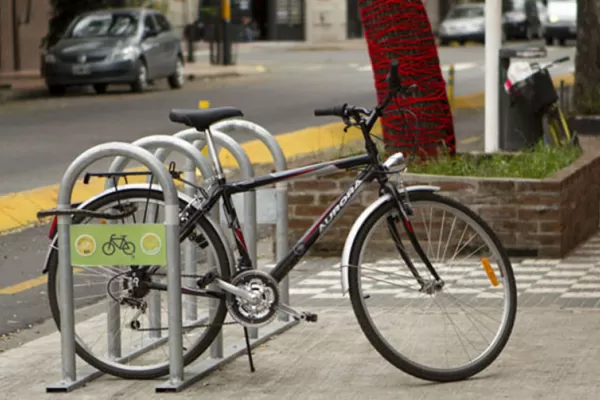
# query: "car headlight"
[[553, 18], [127, 53], [50, 58]]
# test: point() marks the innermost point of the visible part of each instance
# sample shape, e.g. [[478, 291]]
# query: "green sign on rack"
[[118, 244]]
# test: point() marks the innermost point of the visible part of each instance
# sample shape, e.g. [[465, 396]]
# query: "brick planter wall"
[[546, 218]]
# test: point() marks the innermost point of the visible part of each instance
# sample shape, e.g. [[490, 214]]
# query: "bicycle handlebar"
[[561, 60], [394, 88], [337, 111]]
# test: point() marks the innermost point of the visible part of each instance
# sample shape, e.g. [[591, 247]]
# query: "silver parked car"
[[464, 22], [116, 46], [562, 21]]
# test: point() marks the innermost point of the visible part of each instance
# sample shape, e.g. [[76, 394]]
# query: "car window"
[[566, 8], [104, 25], [149, 24], [466, 12], [163, 23]]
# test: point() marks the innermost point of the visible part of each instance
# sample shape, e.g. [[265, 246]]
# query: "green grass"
[[536, 163]]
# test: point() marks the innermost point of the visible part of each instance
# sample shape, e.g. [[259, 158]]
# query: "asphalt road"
[[39, 138]]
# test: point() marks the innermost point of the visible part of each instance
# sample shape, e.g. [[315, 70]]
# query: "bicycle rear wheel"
[[138, 352], [478, 277]]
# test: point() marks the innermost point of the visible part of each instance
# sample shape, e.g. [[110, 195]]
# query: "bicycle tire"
[[209, 334], [372, 333]]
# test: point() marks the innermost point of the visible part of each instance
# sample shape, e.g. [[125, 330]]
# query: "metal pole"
[[451, 85], [226, 29], [189, 262], [493, 39]]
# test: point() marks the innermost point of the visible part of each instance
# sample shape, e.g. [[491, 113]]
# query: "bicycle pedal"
[[207, 279], [309, 317]]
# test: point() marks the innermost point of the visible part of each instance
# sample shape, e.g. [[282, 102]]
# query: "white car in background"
[[561, 22]]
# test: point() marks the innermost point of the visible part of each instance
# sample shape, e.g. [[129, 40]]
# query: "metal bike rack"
[[189, 259], [249, 216], [281, 193], [219, 355], [70, 381], [195, 159]]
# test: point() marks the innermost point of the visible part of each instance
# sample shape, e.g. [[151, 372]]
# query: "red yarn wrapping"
[[401, 29]]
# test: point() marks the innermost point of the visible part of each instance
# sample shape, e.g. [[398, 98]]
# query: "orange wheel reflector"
[[489, 271]]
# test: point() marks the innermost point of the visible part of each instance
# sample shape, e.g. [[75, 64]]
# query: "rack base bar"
[[83, 378], [197, 372]]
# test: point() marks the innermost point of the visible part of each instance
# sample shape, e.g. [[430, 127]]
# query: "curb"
[[235, 72], [18, 210]]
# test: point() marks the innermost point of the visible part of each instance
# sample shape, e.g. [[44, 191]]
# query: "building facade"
[[302, 20], [23, 25]]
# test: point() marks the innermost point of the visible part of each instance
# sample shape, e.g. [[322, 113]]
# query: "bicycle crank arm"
[[303, 316], [234, 290]]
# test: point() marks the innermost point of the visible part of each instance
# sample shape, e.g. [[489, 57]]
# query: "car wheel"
[[100, 88], [176, 80], [549, 41], [57, 90], [141, 82]]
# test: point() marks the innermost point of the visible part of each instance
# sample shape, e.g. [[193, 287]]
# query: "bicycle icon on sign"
[[118, 242]]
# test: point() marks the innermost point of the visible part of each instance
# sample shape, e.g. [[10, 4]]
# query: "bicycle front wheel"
[[436, 334], [123, 331]]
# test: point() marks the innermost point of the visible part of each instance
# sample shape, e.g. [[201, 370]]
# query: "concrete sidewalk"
[[553, 354], [30, 84]]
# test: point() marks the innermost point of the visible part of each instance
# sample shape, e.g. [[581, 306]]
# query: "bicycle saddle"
[[203, 119]]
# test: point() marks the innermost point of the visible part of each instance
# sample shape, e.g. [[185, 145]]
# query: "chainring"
[[264, 311]]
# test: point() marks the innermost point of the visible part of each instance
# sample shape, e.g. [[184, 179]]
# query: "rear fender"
[[182, 196], [351, 239]]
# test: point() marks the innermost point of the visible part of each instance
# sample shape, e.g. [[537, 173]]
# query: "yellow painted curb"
[[18, 210]]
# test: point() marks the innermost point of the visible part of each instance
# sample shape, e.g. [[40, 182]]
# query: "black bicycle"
[[393, 264]]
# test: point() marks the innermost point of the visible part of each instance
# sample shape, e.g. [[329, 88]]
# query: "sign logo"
[[81, 58], [151, 244], [85, 245]]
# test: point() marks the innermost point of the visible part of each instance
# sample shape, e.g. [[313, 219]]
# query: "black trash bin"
[[521, 121]]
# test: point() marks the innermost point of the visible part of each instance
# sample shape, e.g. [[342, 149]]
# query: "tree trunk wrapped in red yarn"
[[401, 29]]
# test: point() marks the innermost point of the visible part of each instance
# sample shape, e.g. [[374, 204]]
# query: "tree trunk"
[[586, 93], [400, 29]]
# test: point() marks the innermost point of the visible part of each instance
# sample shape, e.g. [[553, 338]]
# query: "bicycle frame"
[[226, 190], [374, 171]]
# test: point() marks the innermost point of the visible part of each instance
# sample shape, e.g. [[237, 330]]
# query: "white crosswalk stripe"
[[534, 277]]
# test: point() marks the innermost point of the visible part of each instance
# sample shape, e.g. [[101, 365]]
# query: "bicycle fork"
[[405, 210]]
